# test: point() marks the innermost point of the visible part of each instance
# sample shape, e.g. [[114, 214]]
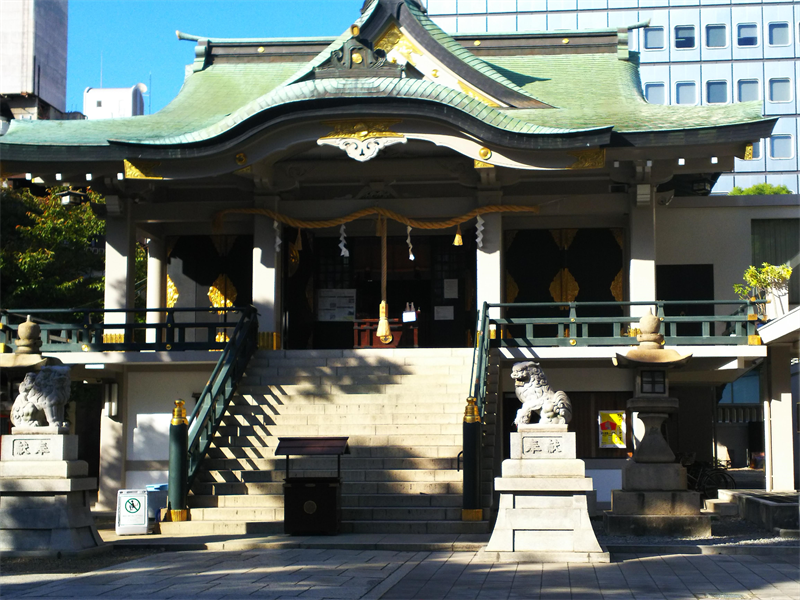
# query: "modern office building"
[[694, 52], [110, 103], [33, 59]]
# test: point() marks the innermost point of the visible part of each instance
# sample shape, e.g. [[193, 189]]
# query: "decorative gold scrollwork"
[[594, 158], [172, 293], [222, 293], [143, 169]]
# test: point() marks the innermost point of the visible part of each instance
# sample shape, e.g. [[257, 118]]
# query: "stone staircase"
[[402, 411]]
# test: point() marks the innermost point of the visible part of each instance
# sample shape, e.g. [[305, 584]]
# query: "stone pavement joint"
[[335, 574]]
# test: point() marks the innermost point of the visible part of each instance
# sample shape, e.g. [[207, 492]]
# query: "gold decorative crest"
[[143, 169], [222, 294], [479, 164], [172, 293], [362, 130], [616, 287], [748, 152], [594, 158], [564, 288], [394, 39]]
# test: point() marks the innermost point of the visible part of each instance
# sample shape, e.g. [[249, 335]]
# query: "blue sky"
[[137, 41]]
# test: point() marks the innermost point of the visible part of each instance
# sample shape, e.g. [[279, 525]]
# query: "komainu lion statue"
[[42, 397], [536, 395]]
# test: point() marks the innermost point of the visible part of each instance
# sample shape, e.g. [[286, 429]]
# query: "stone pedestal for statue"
[[543, 513], [654, 499], [44, 507]]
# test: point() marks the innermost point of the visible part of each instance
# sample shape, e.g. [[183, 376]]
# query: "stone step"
[[219, 450], [363, 487], [327, 462], [303, 409], [401, 514], [348, 379], [253, 514], [417, 527], [319, 367], [221, 527], [237, 501], [338, 427], [316, 389], [349, 475], [407, 441], [274, 399], [453, 417], [720, 508], [274, 501]]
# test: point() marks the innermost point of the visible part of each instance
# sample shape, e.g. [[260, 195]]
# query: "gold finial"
[[179, 414], [355, 30], [485, 153], [471, 414]]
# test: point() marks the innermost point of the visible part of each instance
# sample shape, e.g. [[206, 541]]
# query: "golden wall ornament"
[[172, 293], [616, 287], [479, 164], [222, 293], [394, 39], [748, 152], [594, 158], [473, 93], [564, 288], [143, 169]]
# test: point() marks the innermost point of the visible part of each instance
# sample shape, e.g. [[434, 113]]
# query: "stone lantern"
[[654, 499]]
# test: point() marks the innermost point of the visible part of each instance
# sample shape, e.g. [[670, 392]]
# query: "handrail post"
[[471, 507], [178, 463]]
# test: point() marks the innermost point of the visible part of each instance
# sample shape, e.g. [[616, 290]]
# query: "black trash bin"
[[312, 505]]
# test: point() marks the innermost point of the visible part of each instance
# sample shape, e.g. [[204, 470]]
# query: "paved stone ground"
[[373, 574]]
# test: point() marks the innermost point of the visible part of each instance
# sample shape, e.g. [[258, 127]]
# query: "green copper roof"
[[600, 90]]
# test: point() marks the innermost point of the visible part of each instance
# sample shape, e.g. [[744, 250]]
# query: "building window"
[[655, 93], [757, 150], [780, 146], [99, 103], [748, 90], [747, 34], [716, 36], [653, 38], [776, 241], [684, 36], [780, 90], [779, 34], [686, 92], [716, 92]]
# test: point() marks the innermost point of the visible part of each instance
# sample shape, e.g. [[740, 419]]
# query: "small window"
[[654, 382], [655, 93], [653, 38], [778, 34], [716, 36], [748, 90], [780, 90], [780, 146], [684, 36], [757, 150], [99, 103], [686, 92], [716, 92], [747, 34]]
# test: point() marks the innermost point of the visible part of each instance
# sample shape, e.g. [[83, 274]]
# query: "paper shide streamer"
[[479, 232], [343, 242], [408, 241]]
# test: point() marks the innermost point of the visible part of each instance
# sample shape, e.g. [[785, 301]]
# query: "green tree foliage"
[[47, 258], [758, 282], [760, 189]]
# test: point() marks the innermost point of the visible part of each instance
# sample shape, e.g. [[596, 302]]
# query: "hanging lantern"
[[479, 232], [458, 240]]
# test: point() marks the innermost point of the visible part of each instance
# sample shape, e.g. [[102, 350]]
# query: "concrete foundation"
[[44, 506], [543, 511]]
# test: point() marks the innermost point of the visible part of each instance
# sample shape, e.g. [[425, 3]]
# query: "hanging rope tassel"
[[384, 332], [408, 241], [343, 242], [479, 232], [458, 240]]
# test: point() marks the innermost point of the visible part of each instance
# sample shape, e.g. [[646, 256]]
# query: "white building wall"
[[110, 103], [33, 46], [765, 61]]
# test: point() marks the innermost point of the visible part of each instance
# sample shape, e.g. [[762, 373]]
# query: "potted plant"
[[769, 286]]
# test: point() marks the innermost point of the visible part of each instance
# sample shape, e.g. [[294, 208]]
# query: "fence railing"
[[93, 330], [573, 324]]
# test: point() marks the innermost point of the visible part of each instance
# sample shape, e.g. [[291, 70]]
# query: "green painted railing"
[[93, 330], [218, 392], [573, 327]]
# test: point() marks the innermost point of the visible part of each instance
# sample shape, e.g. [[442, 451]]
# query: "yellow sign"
[[612, 429]]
